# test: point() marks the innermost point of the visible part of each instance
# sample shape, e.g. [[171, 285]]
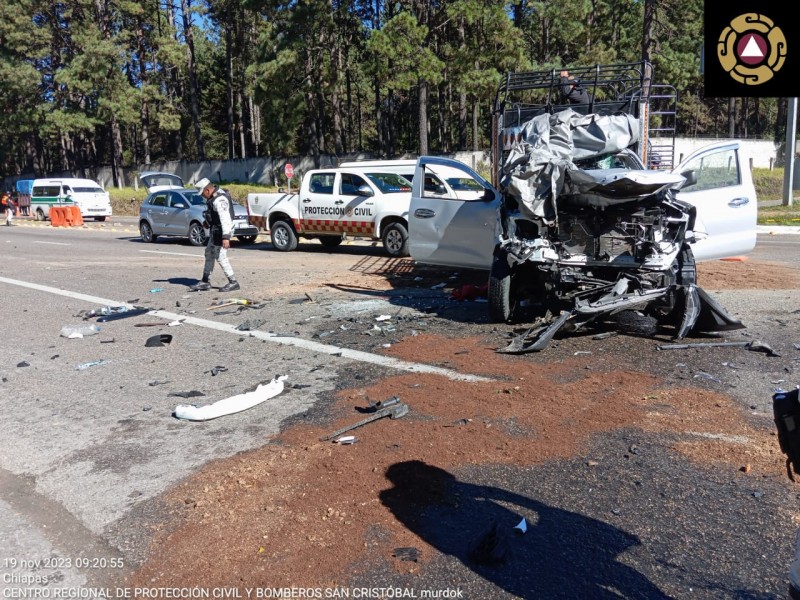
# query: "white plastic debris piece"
[[386, 345], [438, 286], [522, 526], [383, 318], [175, 322], [346, 440], [233, 404], [94, 363], [78, 331], [418, 278]]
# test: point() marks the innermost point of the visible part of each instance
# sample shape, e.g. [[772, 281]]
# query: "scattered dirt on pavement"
[[301, 512], [746, 275]]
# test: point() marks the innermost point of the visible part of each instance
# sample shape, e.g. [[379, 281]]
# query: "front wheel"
[[146, 232], [197, 235], [39, 215], [283, 236], [395, 239], [502, 305]]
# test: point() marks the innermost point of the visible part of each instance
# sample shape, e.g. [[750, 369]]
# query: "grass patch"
[[126, 201]]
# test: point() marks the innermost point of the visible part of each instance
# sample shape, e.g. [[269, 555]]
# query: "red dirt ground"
[[296, 512]]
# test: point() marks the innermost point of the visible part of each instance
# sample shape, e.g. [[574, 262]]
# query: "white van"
[[88, 195], [440, 181]]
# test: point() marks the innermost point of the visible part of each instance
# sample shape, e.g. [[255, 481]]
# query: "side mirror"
[[691, 178], [365, 190], [488, 195], [179, 205]]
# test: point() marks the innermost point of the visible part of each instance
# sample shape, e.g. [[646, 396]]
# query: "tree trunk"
[[475, 133], [336, 108], [423, 118], [732, 117], [229, 90], [145, 107], [194, 86], [379, 119], [648, 37]]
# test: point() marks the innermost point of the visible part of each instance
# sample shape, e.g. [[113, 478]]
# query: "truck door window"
[[321, 183], [433, 186], [350, 184], [716, 170]]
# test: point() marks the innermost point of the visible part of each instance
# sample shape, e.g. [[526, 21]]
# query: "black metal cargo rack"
[[622, 87]]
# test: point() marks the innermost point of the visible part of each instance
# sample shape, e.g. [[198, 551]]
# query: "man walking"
[[219, 216]]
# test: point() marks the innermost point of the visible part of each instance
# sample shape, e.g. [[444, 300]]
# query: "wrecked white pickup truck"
[[579, 230]]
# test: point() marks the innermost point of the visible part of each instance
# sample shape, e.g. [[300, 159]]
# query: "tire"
[[99, 218], [197, 235], [395, 239], [283, 236], [39, 215], [330, 241], [247, 239], [146, 232], [502, 305]]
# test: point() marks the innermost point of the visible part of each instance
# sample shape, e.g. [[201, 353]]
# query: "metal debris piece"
[[217, 370], [408, 554], [759, 346], [158, 382], [605, 335], [700, 345], [395, 411], [24, 363], [380, 404], [250, 324], [115, 313], [190, 394], [708, 376]]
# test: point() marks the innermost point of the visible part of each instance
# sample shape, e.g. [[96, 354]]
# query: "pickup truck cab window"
[[350, 184], [321, 183], [714, 171]]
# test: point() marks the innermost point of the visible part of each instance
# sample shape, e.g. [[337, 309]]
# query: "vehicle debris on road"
[[234, 404], [395, 410]]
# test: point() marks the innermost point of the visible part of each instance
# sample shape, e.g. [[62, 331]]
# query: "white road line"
[[173, 253], [52, 243], [357, 355]]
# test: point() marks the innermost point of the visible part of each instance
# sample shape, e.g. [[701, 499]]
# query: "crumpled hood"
[[607, 187], [535, 169]]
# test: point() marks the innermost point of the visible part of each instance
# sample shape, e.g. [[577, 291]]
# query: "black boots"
[[201, 286], [231, 286]]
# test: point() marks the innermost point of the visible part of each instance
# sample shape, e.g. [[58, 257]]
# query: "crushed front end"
[[585, 237]]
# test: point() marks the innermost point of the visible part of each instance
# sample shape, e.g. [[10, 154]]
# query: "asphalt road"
[[86, 452]]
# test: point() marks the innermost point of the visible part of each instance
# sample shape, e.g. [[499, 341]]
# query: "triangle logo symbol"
[[751, 49]]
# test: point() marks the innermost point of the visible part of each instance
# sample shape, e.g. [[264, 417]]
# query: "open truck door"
[[720, 186], [450, 231]]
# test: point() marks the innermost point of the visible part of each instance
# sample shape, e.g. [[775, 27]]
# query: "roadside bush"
[[769, 184], [126, 201]]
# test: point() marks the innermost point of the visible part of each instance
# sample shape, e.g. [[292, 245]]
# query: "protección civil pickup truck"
[[367, 201]]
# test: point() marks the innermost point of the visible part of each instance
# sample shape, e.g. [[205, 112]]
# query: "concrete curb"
[[778, 229]]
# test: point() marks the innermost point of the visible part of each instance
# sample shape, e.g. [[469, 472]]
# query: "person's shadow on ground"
[[562, 555]]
